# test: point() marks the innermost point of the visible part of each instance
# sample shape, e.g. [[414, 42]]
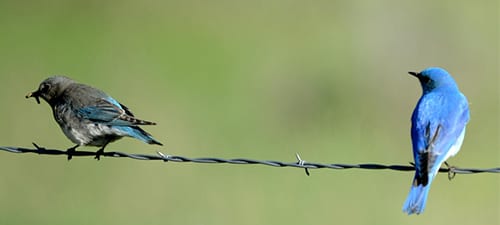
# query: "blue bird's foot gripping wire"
[[451, 171]]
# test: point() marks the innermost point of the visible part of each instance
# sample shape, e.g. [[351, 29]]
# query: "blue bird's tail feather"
[[139, 133], [415, 203]]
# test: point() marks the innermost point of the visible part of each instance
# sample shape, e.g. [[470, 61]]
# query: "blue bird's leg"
[[70, 151], [100, 152]]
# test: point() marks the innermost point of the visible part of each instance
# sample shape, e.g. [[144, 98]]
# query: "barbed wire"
[[451, 170]]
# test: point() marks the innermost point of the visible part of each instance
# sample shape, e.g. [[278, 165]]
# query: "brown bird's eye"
[[44, 88]]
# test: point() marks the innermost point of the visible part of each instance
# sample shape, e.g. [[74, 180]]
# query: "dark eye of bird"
[[425, 80], [44, 88]]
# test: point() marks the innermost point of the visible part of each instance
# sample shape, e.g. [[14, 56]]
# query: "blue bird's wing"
[[438, 125], [109, 111]]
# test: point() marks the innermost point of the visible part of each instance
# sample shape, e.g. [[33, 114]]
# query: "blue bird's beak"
[[34, 94], [414, 74]]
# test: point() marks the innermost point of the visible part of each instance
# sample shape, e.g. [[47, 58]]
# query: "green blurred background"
[[249, 79]]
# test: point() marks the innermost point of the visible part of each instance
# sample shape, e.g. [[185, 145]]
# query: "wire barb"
[[451, 170], [301, 163], [163, 156]]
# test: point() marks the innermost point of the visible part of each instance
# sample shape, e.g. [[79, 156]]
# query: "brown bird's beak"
[[34, 94]]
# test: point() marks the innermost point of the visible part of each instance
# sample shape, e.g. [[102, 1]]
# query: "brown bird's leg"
[[100, 152], [70, 151]]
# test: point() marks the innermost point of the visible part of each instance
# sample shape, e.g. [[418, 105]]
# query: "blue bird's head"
[[433, 78], [50, 88]]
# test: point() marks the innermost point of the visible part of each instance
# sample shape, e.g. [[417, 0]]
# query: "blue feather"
[[137, 132]]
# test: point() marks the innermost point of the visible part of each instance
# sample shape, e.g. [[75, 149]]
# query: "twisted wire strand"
[[299, 164]]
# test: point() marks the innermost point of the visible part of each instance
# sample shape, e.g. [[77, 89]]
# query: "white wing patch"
[[456, 147], [450, 153]]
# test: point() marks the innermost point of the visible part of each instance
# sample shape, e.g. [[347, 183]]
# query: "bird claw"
[[99, 153], [70, 152], [451, 171]]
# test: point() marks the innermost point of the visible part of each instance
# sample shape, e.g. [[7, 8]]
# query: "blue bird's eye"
[[425, 80]]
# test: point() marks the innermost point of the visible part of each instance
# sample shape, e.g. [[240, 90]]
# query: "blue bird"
[[88, 116], [437, 131]]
